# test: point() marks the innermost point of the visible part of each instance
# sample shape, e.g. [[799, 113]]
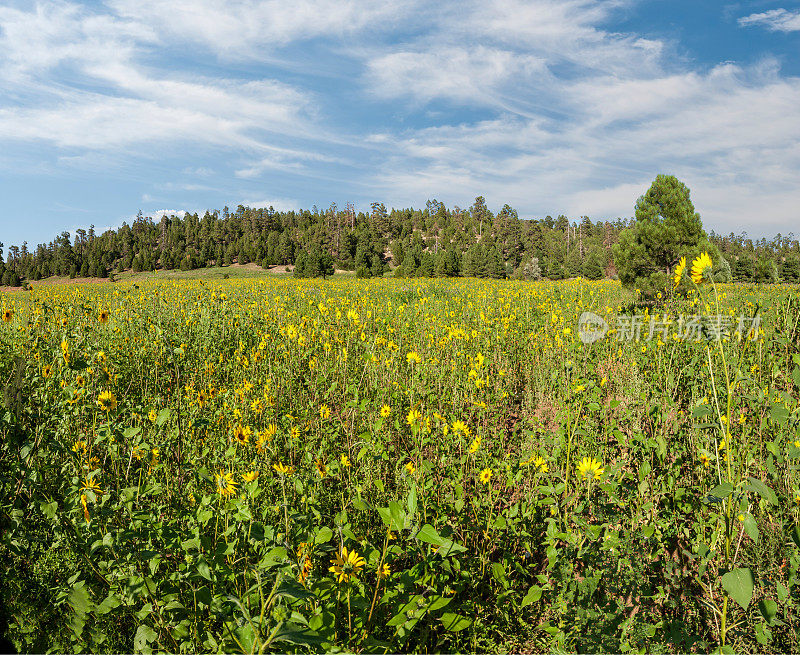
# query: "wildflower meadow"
[[268, 464]]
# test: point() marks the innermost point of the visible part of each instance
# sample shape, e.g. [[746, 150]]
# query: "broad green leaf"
[[739, 585], [411, 502], [534, 594], [763, 490], [499, 574], [768, 608], [293, 589], [779, 413], [439, 603], [397, 514], [428, 534], [163, 416], [751, 527], [722, 490], [412, 610], [323, 536], [79, 599], [111, 602], [144, 636], [49, 509], [454, 622], [203, 568]]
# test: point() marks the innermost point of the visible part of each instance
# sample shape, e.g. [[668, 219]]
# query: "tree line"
[[434, 241]]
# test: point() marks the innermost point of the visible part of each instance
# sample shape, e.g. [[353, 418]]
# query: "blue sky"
[[551, 106]]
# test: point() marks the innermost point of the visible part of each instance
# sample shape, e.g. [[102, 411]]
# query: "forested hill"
[[434, 241]]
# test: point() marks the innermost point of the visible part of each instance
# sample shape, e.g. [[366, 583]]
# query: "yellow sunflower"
[[485, 476], [107, 401], [321, 468], [346, 565], [679, 269], [241, 434], [589, 468], [540, 464], [226, 485], [250, 476], [282, 469], [413, 417], [700, 266], [90, 484]]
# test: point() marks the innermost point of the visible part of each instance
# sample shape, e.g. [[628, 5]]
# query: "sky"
[[552, 106]]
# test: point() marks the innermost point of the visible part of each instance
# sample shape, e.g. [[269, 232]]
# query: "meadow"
[[265, 464]]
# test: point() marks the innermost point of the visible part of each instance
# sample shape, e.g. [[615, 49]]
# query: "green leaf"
[[763, 490], [203, 568], [323, 536], [397, 514], [768, 608], [779, 413], [293, 589], [722, 490], [499, 574], [438, 602], [79, 599], [111, 602], [411, 502], [163, 416], [739, 585], [751, 527], [534, 594], [144, 636], [454, 622], [428, 534], [49, 509]]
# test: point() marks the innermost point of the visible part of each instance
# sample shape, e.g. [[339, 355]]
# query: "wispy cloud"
[[776, 20], [538, 103]]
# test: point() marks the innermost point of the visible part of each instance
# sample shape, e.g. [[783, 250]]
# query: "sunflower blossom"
[[700, 266], [107, 401], [679, 269], [346, 565], [589, 468], [226, 486]]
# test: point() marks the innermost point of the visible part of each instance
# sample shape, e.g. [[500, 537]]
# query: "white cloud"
[[159, 213], [242, 29], [75, 79], [468, 75], [279, 204], [775, 20]]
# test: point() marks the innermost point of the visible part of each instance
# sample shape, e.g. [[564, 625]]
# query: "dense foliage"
[[395, 465], [667, 228], [433, 242]]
